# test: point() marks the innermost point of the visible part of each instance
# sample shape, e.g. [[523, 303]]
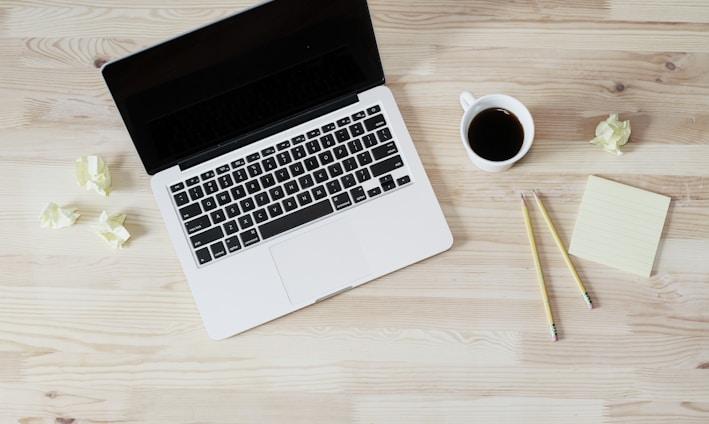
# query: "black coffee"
[[495, 134]]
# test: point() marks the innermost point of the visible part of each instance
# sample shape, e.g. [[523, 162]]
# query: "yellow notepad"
[[619, 225]]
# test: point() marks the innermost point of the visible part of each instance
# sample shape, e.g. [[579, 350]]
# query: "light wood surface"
[[89, 334]]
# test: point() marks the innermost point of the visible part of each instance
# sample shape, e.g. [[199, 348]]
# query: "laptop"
[[278, 158]]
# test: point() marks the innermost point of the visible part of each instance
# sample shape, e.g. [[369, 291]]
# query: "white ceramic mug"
[[473, 106]]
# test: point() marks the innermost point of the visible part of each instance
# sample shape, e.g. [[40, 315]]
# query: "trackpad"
[[320, 262]]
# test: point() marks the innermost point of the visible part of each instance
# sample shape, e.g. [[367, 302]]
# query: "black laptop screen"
[[215, 85]]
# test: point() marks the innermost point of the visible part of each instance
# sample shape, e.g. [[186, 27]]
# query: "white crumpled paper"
[[611, 134], [92, 174], [111, 229], [55, 217]]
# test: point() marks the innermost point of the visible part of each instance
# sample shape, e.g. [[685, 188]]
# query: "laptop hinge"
[[264, 132]]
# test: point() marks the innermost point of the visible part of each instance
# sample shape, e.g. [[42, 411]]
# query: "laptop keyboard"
[[323, 171]]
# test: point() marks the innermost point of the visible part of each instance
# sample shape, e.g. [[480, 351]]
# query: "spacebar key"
[[303, 216]]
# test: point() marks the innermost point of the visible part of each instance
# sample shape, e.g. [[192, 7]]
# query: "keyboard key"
[[252, 157], [268, 181], [334, 187], [197, 224], [359, 115], [374, 123], [340, 152], [181, 198], [260, 216], [232, 244], [196, 193], [314, 133], [237, 163], [327, 141], [387, 165], [350, 164], [355, 146], [306, 181], [304, 198], [341, 200], [320, 176], [247, 204], [275, 210], [218, 216], [252, 186], [232, 210], [210, 187], [319, 192], [297, 169], [207, 175], [209, 203], [282, 175], [335, 170], [298, 153], [203, 256], [342, 135], [190, 211], [284, 158], [238, 192], [311, 163], [374, 192], [364, 158], [245, 222], [403, 180], [283, 145], [349, 181], [249, 237], [369, 140], [357, 129], [363, 175], [343, 121], [326, 157], [358, 194], [296, 219], [230, 227], [384, 135], [269, 164], [291, 187], [206, 237], [262, 199], [380, 152], [289, 204], [223, 198], [192, 181], [277, 193], [177, 187], [254, 170], [222, 169], [218, 250], [268, 151], [313, 147], [240, 175], [327, 128], [298, 139], [225, 181], [374, 109]]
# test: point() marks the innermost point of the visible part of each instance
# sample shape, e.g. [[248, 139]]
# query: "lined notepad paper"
[[619, 225]]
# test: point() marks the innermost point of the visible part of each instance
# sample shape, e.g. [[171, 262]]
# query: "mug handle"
[[466, 100]]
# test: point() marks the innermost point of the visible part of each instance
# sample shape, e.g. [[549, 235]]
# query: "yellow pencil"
[[564, 253], [540, 275]]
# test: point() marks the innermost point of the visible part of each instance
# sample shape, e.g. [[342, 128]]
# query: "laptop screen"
[[215, 85]]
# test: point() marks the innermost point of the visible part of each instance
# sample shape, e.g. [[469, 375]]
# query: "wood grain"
[[93, 335]]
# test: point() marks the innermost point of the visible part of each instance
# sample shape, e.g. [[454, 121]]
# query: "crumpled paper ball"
[[54, 217], [111, 229], [92, 174], [611, 134]]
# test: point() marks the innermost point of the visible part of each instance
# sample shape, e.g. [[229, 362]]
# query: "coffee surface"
[[495, 134]]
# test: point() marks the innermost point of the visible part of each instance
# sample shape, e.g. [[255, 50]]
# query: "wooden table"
[[89, 334]]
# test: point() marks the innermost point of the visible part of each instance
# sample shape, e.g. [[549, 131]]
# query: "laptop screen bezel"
[[162, 79]]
